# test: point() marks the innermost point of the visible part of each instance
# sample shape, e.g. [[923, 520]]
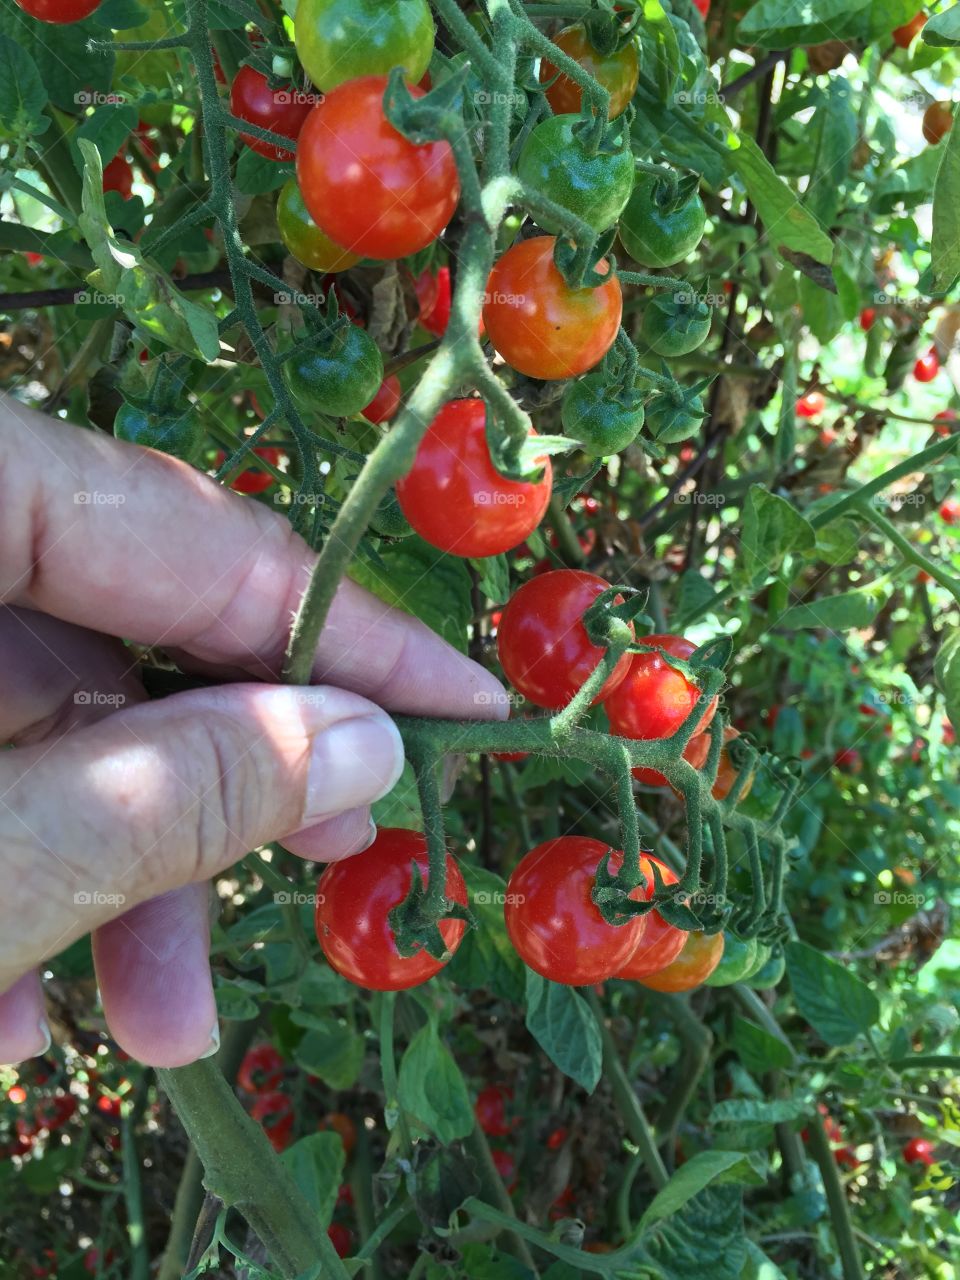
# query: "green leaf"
[[771, 529], [68, 70], [787, 223], [485, 1262], [757, 1111], [835, 137], [22, 93], [235, 1002], [423, 581], [108, 127], [494, 573], [846, 612], [781, 24], [947, 671], [256, 174], [563, 1025], [316, 1162], [834, 1001], [758, 1050], [431, 1090], [758, 1266], [704, 1240], [943, 29], [945, 242], [332, 1051], [688, 1181], [485, 959], [838, 541]]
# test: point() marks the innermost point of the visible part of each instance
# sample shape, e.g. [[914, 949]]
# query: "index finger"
[[136, 544]]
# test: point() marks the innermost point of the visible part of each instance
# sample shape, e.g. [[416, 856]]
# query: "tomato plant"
[[538, 323], [482, 513], [261, 1069], [386, 402], [616, 71], [339, 377], [281, 109], [340, 40], [303, 238], [660, 943], [660, 227], [595, 185], [181, 436], [654, 698], [699, 957]]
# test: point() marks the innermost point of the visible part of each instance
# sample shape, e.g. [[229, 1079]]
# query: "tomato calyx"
[[608, 623], [675, 414], [415, 925], [578, 263], [612, 890], [608, 34], [430, 118]]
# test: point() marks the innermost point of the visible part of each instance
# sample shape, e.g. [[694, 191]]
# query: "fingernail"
[[47, 1038], [367, 840], [214, 1042], [352, 763]]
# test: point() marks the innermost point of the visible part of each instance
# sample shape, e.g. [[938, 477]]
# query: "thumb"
[[171, 792]]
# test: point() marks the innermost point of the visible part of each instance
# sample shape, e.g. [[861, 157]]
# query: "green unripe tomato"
[[303, 238], [339, 40], [179, 435], [389, 521], [738, 959], [652, 233], [670, 420], [602, 418], [770, 972], [340, 376], [555, 162], [674, 325]]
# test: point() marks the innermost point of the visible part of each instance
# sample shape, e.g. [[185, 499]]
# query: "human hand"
[[115, 811]]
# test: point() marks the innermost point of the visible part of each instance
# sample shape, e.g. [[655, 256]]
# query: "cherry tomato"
[[661, 942], [17, 1094], [386, 402], [506, 1166], [109, 1106], [675, 326], [261, 1068], [848, 760], [274, 1111], [946, 418], [653, 231], [434, 296], [949, 734], [59, 11], [455, 498], [556, 1139], [847, 1157], [672, 417], [254, 480], [919, 1151], [703, 6], [726, 772], [282, 110], [904, 36], [541, 641], [552, 920], [490, 1110], [118, 176], [654, 700], [541, 326], [811, 405], [181, 437], [927, 366], [303, 238], [339, 40], [339, 1122], [354, 899], [364, 184], [937, 121], [617, 72], [867, 317], [338, 377], [700, 956], [556, 162], [769, 973], [53, 1113], [950, 510], [738, 960], [602, 420]]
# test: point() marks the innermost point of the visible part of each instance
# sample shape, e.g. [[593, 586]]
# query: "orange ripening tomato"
[[660, 943], [726, 772], [617, 72], [937, 121], [700, 956]]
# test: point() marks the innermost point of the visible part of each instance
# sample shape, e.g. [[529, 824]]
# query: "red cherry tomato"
[[700, 956], [261, 1068], [703, 6], [552, 920], [867, 318], [282, 110], [949, 737], [661, 942], [927, 366], [454, 496], [506, 1166], [118, 176], [340, 1122], [556, 1139], [59, 11], [365, 185], [341, 1238], [654, 700], [386, 402], [918, 1151], [109, 1106], [811, 405], [490, 1110], [946, 418], [541, 326], [17, 1094], [847, 1157], [950, 510], [904, 36], [53, 1113], [848, 760], [354, 899], [434, 296], [541, 641], [617, 72], [253, 480], [274, 1111]]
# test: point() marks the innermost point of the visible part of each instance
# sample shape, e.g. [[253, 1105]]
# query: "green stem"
[[918, 462], [836, 1198], [492, 1189], [906, 548]]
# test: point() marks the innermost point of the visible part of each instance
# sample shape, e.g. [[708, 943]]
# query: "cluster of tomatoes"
[[550, 915]]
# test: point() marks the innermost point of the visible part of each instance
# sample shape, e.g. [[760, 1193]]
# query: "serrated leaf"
[[782, 24], [22, 93], [839, 541], [485, 959], [705, 1239], [431, 1090], [758, 1050], [563, 1025], [494, 574], [784, 218], [688, 1181], [332, 1051], [833, 1000], [848, 611], [67, 69], [772, 528], [421, 580], [945, 241], [316, 1162], [757, 1110]]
